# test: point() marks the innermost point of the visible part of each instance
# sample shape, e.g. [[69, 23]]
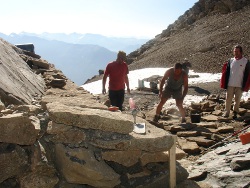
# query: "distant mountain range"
[[79, 56], [112, 43]]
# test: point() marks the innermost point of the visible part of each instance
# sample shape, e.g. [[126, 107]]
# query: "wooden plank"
[[172, 164]]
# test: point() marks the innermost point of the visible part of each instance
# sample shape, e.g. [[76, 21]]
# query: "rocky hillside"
[[205, 35]]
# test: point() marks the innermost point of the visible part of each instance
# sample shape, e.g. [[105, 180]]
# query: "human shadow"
[[200, 90]]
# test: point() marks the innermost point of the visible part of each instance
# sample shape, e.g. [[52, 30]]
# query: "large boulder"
[[18, 84], [18, 129], [14, 161], [80, 166]]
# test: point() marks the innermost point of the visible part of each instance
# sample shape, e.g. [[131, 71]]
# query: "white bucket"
[[140, 84]]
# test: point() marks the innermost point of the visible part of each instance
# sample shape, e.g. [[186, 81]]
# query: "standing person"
[[117, 71], [186, 65], [176, 78], [235, 79]]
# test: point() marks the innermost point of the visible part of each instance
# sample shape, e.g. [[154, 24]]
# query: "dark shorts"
[[117, 98], [175, 94]]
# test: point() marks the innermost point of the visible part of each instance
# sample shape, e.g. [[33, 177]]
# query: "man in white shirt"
[[236, 80]]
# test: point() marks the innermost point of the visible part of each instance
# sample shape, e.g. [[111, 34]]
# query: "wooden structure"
[[172, 164]]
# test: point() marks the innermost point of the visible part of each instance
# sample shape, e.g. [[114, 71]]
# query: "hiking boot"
[[234, 115], [225, 115], [156, 118]]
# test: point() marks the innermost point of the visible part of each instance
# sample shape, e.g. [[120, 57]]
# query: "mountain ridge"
[[127, 44]]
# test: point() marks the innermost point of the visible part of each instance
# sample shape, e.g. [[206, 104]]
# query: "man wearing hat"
[[117, 71]]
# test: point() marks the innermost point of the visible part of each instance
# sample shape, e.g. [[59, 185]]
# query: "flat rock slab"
[[83, 101], [187, 133], [89, 118], [211, 125], [201, 141], [188, 147], [17, 129], [209, 118]]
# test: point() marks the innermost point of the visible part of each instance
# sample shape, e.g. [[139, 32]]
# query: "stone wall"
[[97, 147]]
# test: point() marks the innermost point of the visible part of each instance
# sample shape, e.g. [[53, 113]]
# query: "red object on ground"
[[245, 138], [113, 108]]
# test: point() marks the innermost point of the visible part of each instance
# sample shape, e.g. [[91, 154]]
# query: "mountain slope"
[[205, 35]]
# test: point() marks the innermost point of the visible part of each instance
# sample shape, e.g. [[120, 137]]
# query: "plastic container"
[[113, 108], [245, 138], [195, 118], [140, 84]]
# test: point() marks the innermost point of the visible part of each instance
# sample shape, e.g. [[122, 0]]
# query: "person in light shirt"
[[235, 79]]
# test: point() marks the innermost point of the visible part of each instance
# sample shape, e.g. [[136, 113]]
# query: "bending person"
[[175, 79]]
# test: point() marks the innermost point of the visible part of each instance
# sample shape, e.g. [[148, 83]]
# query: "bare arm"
[[104, 79], [164, 78], [185, 84], [127, 84]]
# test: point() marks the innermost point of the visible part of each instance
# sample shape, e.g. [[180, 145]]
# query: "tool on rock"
[[133, 108], [225, 139], [138, 127], [134, 114]]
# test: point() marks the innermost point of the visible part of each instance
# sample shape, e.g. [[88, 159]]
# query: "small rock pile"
[[52, 76]]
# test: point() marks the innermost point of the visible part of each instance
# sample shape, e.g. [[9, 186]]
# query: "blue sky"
[[121, 18]]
